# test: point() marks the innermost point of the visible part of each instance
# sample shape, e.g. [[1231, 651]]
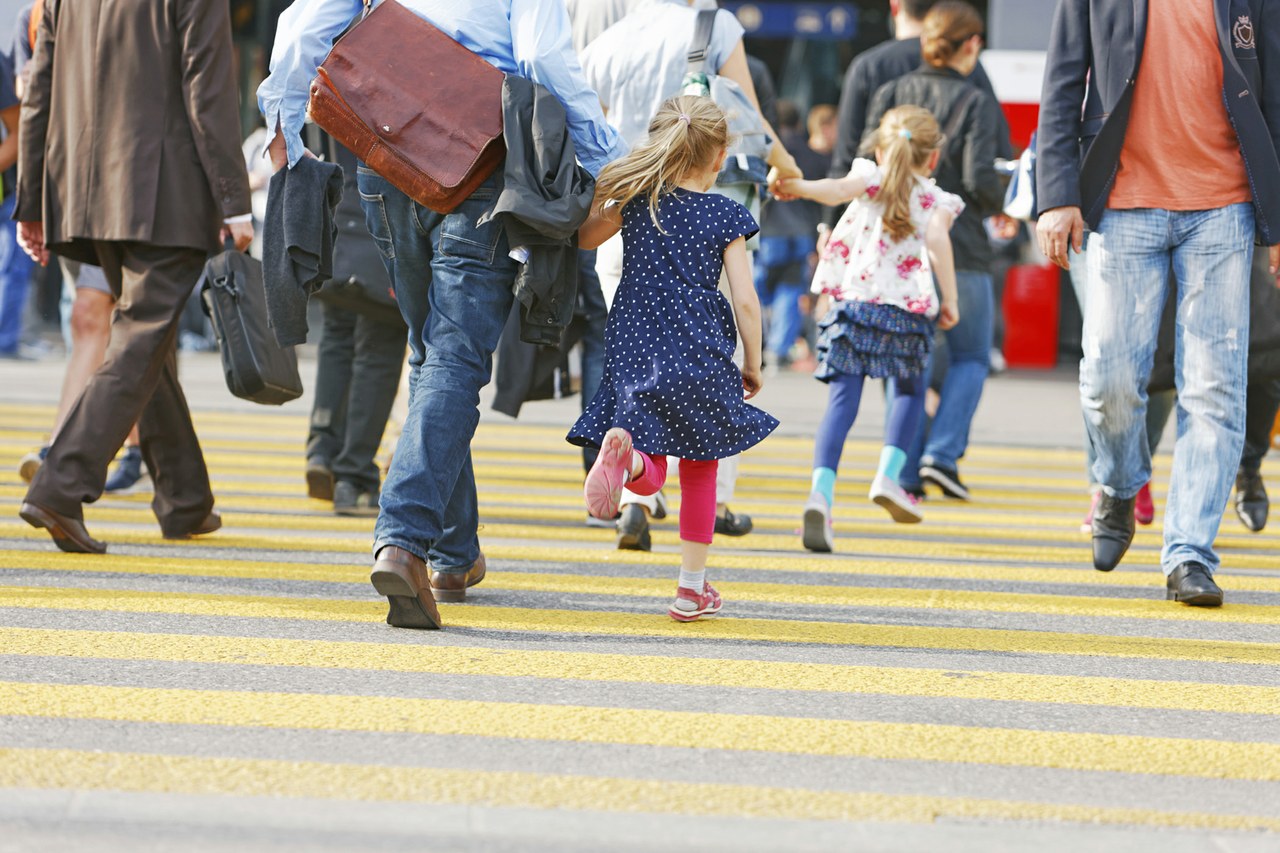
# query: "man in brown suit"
[[129, 158]]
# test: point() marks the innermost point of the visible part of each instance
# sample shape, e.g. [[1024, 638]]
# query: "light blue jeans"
[[1129, 258], [1159, 404]]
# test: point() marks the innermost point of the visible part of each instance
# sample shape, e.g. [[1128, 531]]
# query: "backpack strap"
[[702, 30], [957, 118]]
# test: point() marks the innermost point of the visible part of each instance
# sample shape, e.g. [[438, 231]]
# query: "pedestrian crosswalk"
[[969, 675]]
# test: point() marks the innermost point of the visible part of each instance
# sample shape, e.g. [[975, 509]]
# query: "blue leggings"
[[905, 413]]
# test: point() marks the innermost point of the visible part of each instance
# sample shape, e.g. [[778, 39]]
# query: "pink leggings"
[[697, 493]]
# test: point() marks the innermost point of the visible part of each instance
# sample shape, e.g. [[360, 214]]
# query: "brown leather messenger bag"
[[417, 107]]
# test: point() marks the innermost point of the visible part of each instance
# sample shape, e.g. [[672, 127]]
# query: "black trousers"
[[1263, 400], [357, 376], [138, 382]]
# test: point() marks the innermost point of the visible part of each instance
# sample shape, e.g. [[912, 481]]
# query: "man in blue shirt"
[[452, 278]]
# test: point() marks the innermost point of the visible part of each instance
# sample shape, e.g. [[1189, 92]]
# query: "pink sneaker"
[[689, 605], [1144, 508], [603, 489], [1086, 526]]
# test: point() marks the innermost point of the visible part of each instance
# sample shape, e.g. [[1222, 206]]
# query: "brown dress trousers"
[[129, 153]]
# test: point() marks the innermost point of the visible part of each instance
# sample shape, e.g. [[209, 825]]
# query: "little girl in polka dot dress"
[[879, 268], [670, 386]]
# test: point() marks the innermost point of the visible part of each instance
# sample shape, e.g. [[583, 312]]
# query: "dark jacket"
[[138, 141], [968, 160], [545, 198], [1264, 322], [298, 235], [1095, 49], [870, 70]]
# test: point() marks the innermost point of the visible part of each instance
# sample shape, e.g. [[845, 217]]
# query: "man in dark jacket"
[[1188, 187], [140, 186]]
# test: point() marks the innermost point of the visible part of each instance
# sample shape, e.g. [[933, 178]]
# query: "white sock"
[[694, 581]]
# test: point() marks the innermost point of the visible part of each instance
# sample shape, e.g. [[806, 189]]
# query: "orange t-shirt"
[[1180, 151]]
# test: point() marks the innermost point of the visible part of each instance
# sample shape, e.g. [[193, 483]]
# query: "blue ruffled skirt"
[[877, 341]]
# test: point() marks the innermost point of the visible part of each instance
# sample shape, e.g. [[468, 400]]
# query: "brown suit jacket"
[[130, 125]]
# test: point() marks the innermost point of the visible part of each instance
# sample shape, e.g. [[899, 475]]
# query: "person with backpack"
[[664, 48]]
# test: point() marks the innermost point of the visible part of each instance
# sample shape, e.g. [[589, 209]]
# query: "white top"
[[641, 61], [862, 263]]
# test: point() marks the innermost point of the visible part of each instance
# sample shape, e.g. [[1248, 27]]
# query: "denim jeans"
[[969, 350], [15, 280], [781, 265], [1129, 257], [453, 281], [1159, 403]]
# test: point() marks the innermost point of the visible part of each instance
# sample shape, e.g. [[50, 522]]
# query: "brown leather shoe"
[[211, 522], [452, 586], [68, 534], [404, 580]]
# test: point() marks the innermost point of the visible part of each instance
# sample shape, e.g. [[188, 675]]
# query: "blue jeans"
[[453, 282], [781, 265], [1159, 403], [1129, 256], [969, 347], [15, 280]]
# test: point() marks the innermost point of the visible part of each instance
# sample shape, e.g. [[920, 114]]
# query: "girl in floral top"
[[878, 269]]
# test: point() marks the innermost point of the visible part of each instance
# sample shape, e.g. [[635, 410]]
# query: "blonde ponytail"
[[908, 135], [686, 134]]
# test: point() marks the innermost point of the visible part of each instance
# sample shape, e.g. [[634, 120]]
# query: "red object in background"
[[1031, 316], [1022, 120]]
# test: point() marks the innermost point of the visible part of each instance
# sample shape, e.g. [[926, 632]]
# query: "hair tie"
[[904, 133], [684, 117]]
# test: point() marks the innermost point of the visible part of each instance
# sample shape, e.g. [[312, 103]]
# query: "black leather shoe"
[[633, 529], [1252, 505], [1112, 531], [731, 524], [1192, 584]]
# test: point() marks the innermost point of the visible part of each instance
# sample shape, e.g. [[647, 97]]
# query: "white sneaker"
[[901, 505], [817, 534]]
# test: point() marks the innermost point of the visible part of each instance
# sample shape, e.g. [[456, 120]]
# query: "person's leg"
[[1128, 283], [453, 283], [375, 375], [694, 596], [15, 281], [906, 412], [1252, 504], [969, 344], [1212, 257], [90, 326], [137, 383], [844, 397], [596, 315], [335, 357]]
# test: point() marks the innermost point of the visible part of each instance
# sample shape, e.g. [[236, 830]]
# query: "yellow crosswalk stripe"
[[646, 669], [797, 594], [1200, 758], [356, 570], [135, 772], [645, 625]]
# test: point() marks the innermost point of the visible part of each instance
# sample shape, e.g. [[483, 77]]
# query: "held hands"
[[1059, 229], [948, 315], [31, 239], [752, 382]]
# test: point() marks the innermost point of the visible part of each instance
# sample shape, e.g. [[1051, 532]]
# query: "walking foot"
[[603, 489], [903, 508], [816, 533], [1113, 526], [69, 534], [690, 605], [402, 577]]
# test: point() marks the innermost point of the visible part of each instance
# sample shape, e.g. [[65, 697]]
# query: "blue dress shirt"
[[527, 38]]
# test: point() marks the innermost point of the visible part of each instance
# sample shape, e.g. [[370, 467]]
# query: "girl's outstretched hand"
[[948, 316], [752, 382]]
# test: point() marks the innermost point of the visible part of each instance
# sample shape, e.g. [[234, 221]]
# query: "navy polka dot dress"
[[669, 375]]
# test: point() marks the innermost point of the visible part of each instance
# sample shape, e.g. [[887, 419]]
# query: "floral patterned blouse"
[[862, 263]]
